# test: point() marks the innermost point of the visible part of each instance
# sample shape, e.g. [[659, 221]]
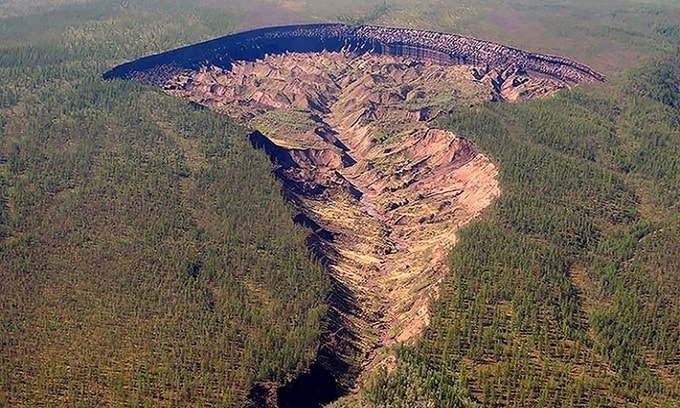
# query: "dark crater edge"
[[441, 48]]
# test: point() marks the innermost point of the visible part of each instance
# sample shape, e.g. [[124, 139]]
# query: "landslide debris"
[[383, 192], [346, 121]]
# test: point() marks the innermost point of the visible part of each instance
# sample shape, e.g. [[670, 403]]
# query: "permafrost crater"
[[343, 112]]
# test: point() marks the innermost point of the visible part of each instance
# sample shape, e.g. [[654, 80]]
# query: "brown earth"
[[384, 193]]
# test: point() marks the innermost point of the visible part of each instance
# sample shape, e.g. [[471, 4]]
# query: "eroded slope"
[[383, 192]]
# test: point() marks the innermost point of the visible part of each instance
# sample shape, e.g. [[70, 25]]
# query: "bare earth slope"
[[383, 193]]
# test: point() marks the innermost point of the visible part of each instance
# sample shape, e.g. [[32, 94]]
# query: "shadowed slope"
[[422, 45]]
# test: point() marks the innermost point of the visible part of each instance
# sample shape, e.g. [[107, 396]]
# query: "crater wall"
[[441, 48]]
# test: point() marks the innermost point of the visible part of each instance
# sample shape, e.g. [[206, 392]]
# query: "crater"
[[345, 115]]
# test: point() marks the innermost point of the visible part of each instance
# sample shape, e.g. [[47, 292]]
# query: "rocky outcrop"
[[440, 48]]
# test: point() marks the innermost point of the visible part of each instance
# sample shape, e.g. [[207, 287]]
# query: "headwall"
[[441, 48]]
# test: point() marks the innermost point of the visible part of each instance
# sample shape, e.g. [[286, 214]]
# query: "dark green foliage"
[[566, 294], [416, 382], [146, 256], [660, 82], [190, 266], [654, 127], [638, 272], [511, 268], [559, 198]]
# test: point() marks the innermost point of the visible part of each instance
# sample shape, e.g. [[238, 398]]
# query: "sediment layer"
[[441, 48]]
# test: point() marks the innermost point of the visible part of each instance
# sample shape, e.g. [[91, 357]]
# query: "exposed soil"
[[383, 192]]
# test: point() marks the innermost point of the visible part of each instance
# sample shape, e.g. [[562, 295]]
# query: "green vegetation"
[[285, 121], [374, 15], [146, 256], [566, 293]]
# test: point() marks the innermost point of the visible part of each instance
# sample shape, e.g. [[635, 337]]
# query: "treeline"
[[565, 294], [146, 256]]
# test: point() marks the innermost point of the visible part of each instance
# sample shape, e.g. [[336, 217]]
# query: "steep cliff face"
[[441, 48]]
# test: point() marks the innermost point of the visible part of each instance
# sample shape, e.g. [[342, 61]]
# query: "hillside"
[[148, 257]]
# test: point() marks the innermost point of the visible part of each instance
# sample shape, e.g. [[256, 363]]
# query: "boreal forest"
[[151, 257]]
